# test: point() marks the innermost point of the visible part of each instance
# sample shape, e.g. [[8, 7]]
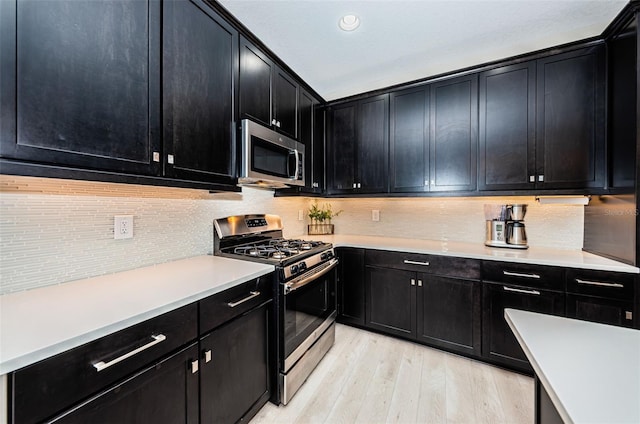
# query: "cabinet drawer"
[[221, 307], [447, 266], [536, 276], [614, 285], [52, 385]]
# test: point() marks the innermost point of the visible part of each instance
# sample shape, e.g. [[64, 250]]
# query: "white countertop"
[[590, 371], [533, 255], [39, 323]]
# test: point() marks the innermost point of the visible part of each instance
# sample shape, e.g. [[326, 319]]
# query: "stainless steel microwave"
[[270, 159]]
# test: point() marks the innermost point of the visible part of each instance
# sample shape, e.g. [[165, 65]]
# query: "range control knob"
[[326, 255], [302, 266], [294, 269]]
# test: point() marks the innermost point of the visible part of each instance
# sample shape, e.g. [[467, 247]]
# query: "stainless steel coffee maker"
[[505, 226]]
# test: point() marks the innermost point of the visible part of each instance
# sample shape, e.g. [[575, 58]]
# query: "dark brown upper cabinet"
[[409, 140], [200, 53], [267, 93], [311, 133], [79, 79], [507, 149], [358, 158], [542, 123], [570, 121], [453, 134], [434, 131]]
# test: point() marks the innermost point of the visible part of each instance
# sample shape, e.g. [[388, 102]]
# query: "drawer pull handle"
[[407, 261], [598, 283], [519, 274], [509, 289], [99, 366], [251, 296]]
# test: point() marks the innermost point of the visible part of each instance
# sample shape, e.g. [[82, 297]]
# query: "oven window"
[[269, 158], [306, 309]]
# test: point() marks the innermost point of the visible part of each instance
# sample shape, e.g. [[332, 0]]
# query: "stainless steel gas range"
[[305, 303]]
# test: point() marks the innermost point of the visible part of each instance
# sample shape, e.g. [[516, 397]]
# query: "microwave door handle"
[[297, 165]]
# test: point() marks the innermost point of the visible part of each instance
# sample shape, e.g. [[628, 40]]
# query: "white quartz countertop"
[[533, 255], [590, 371], [39, 323]]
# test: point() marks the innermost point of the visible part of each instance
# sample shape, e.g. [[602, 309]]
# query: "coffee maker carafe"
[[516, 234], [505, 226]]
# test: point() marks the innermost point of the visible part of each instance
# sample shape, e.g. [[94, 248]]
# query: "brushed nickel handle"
[[99, 366], [251, 296], [419, 283], [207, 356], [407, 261], [519, 274], [598, 283], [509, 289], [413, 282], [194, 366]]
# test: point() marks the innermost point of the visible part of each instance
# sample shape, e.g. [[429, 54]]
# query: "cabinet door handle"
[[251, 296], [99, 366], [273, 122], [408, 262], [519, 274], [419, 283], [413, 282], [598, 283], [207, 356], [194, 366], [509, 289]]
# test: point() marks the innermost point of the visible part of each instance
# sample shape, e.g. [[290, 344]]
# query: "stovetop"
[[277, 249], [259, 238]]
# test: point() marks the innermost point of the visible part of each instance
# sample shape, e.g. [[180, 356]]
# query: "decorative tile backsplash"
[[53, 231]]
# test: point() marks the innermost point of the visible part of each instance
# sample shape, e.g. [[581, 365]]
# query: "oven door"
[[309, 307]]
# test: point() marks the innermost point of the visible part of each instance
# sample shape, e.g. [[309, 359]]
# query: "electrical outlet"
[[375, 215], [300, 215], [122, 227]]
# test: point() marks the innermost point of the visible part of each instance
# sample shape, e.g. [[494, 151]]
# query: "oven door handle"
[[295, 285]]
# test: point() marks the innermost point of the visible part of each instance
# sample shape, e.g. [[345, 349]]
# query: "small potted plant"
[[321, 219]]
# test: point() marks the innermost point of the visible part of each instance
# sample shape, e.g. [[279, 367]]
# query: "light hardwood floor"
[[371, 378]]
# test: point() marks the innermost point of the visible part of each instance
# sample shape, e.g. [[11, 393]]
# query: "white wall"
[[53, 231]]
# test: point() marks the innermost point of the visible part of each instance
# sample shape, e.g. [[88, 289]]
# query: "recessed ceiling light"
[[349, 22]]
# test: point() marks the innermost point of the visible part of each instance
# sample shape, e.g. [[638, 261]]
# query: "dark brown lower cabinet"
[[499, 345], [351, 285], [164, 392], [234, 376], [435, 310], [391, 301], [448, 313], [599, 309]]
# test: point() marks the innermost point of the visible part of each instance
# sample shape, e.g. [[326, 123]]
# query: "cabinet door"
[[602, 310], [498, 342], [506, 155], [286, 104], [390, 301], [79, 83], [199, 74], [351, 286], [234, 383], [342, 175], [449, 313], [319, 142], [255, 88], [409, 140], [373, 144], [454, 134], [570, 120], [166, 392]]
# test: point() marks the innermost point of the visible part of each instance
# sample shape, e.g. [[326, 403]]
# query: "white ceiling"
[[405, 40]]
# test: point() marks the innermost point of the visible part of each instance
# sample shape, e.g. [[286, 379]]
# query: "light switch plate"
[[375, 215], [122, 227]]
